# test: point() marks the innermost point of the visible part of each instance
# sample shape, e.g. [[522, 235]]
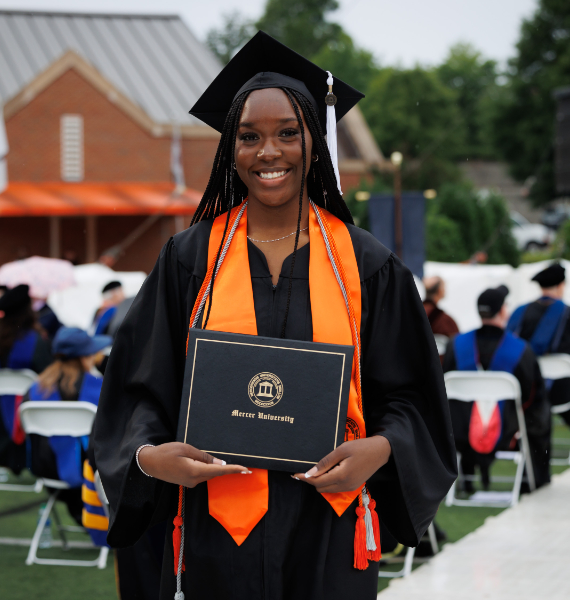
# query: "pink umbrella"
[[43, 275]]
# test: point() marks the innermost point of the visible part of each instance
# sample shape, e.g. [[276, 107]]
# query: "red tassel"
[[177, 535], [360, 560], [18, 433], [375, 555]]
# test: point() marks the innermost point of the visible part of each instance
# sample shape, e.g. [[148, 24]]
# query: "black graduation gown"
[[534, 401], [300, 549], [560, 391]]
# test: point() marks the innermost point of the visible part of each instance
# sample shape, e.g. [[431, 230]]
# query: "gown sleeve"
[[141, 392], [405, 401]]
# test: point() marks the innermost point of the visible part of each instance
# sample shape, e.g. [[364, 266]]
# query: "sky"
[[404, 32]]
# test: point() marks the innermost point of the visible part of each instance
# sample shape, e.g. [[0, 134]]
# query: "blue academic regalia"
[[20, 357], [67, 449], [485, 438], [548, 332], [103, 320]]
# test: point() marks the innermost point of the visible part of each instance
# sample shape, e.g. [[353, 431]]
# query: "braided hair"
[[225, 189]]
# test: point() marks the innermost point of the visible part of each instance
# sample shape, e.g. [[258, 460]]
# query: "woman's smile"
[[272, 176]]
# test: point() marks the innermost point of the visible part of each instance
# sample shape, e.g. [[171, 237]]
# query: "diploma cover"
[[264, 402]]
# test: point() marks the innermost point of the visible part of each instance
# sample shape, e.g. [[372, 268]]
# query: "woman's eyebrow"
[[252, 124]]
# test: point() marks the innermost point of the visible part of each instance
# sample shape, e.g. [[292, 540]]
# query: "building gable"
[[119, 140]]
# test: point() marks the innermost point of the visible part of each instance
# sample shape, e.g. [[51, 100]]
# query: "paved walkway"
[[521, 554]]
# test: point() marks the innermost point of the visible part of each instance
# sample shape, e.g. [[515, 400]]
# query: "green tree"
[[461, 222], [443, 239], [525, 117], [474, 81], [234, 33], [348, 62], [412, 111], [301, 24]]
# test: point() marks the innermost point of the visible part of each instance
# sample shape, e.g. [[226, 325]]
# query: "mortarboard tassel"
[[370, 543], [375, 553], [330, 100]]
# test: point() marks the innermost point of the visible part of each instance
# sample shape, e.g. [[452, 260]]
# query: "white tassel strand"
[[330, 99], [370, 542]]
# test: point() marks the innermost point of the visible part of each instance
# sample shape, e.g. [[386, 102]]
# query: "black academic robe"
[[560, 391], [301, 549], [535, 405]]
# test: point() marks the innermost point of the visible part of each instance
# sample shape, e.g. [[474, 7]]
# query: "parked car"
[[529, 236], [554, 216]]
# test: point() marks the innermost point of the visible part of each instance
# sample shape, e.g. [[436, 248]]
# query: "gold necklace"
[[276, 239]]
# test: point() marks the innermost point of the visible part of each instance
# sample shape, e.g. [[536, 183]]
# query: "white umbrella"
[[43, 275]]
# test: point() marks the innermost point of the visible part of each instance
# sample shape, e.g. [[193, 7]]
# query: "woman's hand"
[[349, 466], [183, 464]]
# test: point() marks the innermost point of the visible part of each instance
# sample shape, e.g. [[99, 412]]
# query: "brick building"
[[95, 107]]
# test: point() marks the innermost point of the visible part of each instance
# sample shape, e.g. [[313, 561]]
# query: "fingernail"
[[246, 472], [311, 472], [219, 461], [293, 476]]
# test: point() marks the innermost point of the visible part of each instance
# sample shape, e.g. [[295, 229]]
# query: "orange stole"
[[239, 502]]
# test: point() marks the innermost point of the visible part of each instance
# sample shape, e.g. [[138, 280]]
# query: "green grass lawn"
[[41, 582]]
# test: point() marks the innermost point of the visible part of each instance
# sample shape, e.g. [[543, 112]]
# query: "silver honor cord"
[[339, 280], [222, 256]]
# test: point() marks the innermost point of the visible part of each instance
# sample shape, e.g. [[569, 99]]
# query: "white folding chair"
[[49, 418], [441, 342], [491, 387], [557, 366], [430, 535], [16, 382]]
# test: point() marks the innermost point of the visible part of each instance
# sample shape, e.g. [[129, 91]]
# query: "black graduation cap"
[[15, 299], [265, 63], [491, 300], [551, 276], [111, 286]]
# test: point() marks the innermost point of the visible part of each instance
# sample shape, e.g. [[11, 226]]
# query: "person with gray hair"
[[440, 322]]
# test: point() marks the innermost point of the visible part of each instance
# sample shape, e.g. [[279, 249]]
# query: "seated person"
[[46, 317], [494, 349], [68, 378], [22, 346], [113, 295], [544, 323], [440, 322]]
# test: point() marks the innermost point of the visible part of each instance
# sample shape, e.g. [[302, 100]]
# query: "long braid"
[[215, 199], [325, 192], [290, 285], [228, 197]]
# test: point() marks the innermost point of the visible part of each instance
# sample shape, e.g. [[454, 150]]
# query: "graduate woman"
[[273, 251]]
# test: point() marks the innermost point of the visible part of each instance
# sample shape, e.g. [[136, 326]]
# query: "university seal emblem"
[[265, 390]]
